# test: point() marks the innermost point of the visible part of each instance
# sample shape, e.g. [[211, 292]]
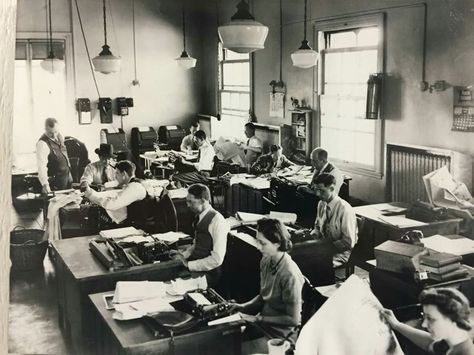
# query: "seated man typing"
[[189, 173], [336, 222], [127, 206], [210, 235]]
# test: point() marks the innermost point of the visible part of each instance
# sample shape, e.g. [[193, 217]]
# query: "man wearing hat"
[[101, 171]]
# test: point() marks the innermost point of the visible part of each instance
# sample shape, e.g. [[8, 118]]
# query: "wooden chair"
[[362, 251]]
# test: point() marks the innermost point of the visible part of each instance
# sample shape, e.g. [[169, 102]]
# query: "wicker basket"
[[27, 248]]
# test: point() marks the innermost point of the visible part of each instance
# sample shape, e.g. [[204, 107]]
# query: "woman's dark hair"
[[276, 232], [451, 303]]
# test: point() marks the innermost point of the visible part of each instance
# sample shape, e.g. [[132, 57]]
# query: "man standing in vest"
[[210, 236], [54, 171]]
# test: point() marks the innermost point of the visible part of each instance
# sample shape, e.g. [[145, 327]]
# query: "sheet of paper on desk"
[[233, 222], [119, 233], [181, 286], [401, 221], [349, 322], [285, 217], [170, 237], [249, 217], [137, 239], [158, 304], [224, 320], [132, 291], [126, 312], [247, 239], [199, 298], [460, 246], [257, 183], [178, 193]]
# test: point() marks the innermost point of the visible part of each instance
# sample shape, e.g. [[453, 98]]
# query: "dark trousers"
[[60, 182]]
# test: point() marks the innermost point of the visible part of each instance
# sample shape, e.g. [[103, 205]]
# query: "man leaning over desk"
[[210, 236]]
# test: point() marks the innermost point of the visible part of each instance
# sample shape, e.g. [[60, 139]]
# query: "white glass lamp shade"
[[52, 64], [243, 36], [106, 62], [305, 57], [185, 61]]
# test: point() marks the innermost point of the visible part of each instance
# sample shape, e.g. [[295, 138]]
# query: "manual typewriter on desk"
[[118, 254]]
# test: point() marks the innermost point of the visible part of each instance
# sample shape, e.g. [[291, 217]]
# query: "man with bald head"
[[321, 165], [54, 170]]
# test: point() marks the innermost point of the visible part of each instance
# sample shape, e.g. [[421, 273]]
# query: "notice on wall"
[[277, 108], [349, 322]]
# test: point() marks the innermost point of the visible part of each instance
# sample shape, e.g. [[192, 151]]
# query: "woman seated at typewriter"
[[445, 317], [278, 305], [274, 160]]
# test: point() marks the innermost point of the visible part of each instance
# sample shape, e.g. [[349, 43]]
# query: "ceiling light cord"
[[51, 52], [304, 24], [134, 43], [105, 21], [184, 27], [281, 41], [87, 48]]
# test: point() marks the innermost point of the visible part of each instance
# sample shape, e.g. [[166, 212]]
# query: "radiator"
[[407, 164]]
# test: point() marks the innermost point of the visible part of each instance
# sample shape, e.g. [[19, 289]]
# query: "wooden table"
[[377, 231], [132, 337], [79, 273]]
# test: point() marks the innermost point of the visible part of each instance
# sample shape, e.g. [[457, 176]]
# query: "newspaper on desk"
[[444, 191], [349, 322]]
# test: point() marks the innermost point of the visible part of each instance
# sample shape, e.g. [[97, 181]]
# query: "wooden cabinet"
[[301, 131]]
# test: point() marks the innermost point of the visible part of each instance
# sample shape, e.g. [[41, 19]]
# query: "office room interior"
[[237, 177]]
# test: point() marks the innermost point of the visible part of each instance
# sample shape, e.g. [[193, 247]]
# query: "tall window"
[[234, 93], [350, 52], [38, 94]]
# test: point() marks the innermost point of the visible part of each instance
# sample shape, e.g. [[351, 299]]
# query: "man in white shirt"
[[210, 235], [253, 147], [189, 173], [129, 200], [188, 141], [54, 170], [336, 222], [101, 171]]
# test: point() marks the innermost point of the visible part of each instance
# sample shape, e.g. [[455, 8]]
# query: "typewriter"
[[117, 254]]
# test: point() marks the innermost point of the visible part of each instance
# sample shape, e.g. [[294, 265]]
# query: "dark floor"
[[33, 317]]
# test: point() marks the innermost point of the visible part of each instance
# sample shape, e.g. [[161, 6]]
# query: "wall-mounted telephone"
[[123, 104], [83, 107], [105, 109]]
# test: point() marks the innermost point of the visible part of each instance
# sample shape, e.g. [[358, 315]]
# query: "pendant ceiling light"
[[185, 61], [51, 63], [243, 34], [106, 62], [305, 56]]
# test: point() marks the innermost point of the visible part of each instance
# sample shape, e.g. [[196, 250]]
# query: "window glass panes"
[[368, 37], [343, 39]]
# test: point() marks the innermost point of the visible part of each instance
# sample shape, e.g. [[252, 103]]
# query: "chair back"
[[312, 301], [166, 218]]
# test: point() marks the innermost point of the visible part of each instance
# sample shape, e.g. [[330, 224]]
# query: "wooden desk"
[[396, 290], [377, 231], [132, 337], [79, 273]]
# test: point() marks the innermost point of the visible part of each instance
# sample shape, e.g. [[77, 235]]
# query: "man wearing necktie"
[[336, 223], [253, 147], [210, 236], [101, 171]]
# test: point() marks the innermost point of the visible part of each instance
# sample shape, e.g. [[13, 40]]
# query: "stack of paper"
[[119, 233], [458, 246], [284, 217], [257, 183], [170, 237], [247, 239], [178, 193], [224, 320], [401, 221], [181, 286], [233, 222], [249, 217], [132, 291]]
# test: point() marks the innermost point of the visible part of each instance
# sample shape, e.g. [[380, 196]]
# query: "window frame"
[[220, 73], [340, 24], [68, 58]]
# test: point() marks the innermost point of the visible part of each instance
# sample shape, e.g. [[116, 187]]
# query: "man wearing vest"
[[210, 236], [128, 206], [54, 171]]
